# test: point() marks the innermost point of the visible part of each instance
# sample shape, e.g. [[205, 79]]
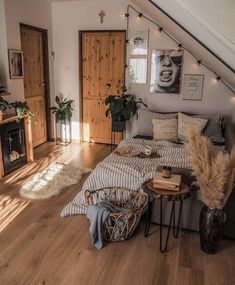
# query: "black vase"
[[211, 225]]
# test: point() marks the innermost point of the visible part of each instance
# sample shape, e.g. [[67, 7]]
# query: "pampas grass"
[[213, 169]]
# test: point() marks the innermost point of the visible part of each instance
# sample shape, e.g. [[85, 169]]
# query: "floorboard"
[[38, 247]]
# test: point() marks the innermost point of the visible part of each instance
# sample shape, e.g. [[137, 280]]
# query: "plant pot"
[[211, 225], [118, 126], [65, 131]]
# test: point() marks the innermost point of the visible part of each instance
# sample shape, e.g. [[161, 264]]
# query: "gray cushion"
[[144, 126], [213, 129]]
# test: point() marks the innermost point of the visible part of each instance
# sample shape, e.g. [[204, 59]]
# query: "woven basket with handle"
[[120, 225]]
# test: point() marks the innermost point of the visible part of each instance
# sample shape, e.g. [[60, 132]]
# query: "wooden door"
[[34, 82], [103, 61]]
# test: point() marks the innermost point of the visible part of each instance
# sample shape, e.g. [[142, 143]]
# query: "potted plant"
[[3, 106], [21, 108], [215, 175], [63, 113], [121, 107]]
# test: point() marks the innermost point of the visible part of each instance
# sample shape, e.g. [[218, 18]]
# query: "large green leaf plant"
[[123, 106], [64, 110]]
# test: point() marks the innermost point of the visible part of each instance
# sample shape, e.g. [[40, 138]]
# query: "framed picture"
[[15, 63], [139, 42], [166, 66], [192, 87]]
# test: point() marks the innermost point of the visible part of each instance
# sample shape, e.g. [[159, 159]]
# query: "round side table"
[[173, 196]]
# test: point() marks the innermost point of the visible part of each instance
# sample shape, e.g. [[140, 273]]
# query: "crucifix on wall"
[[102, 14]]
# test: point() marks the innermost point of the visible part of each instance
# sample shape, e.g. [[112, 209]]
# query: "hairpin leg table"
[[175, 197]]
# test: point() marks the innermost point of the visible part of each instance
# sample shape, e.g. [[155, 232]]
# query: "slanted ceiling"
[[210, 21]]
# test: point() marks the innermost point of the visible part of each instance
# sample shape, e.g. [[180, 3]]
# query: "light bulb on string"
[[179, 46]]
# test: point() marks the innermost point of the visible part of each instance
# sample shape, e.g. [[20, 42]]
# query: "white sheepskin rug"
[[52, 180]]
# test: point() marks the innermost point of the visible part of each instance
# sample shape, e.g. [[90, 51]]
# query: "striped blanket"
[[129, 172]]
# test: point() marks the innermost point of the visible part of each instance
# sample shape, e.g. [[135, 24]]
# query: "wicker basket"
[[120, 225]]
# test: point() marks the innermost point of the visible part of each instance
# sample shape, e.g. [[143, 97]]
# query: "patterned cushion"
[[144, 125], [213, 128], [165, 129], [185, 121]]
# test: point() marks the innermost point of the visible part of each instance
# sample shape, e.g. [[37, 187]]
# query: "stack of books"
[[172, 183]]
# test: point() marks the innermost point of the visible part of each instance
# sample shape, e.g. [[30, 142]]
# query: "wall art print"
[[16, 63], [166, 69]]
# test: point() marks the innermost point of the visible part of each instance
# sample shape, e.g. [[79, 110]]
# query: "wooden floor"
[[38, 247]]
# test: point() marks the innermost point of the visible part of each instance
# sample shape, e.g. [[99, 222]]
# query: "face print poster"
[[166, 71]]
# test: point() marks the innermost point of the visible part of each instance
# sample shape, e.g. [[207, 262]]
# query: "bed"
[[131, 172]]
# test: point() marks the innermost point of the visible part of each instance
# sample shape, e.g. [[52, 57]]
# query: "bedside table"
[[175, 197]]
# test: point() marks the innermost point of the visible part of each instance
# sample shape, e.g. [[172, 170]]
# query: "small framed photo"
[[192, 87], [16, 65], [139, 42]]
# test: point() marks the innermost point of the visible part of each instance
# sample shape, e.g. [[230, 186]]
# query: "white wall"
[[70, 17], [211, 21], [216, 97], [32, 12]]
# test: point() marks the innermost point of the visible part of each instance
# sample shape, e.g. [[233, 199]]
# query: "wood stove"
[[13, 145]]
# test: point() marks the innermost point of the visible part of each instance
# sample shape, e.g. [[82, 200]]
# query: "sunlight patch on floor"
[[10, 208]]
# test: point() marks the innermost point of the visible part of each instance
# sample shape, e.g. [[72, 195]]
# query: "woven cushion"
[[213, 129], [185, 121], [165, 129], [144, 125]]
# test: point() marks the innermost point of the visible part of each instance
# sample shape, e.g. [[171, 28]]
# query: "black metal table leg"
[[172, 217], [176, 230], [148, 216]]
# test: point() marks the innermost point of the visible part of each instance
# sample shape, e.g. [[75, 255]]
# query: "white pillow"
[[185, 121], [165, 129]]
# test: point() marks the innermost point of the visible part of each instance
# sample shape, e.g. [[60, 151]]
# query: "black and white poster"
[[166, 71]]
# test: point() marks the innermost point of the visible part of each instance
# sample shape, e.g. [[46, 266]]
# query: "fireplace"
[[13, 145]]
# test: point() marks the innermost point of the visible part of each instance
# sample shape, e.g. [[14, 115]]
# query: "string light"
[[179, 45]]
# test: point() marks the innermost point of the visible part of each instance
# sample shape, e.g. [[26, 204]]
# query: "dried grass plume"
[[213, 169]]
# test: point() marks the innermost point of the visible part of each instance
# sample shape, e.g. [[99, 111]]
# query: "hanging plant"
[[21, 108]]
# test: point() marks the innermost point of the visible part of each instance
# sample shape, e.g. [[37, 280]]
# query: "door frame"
[[46, 74], [81, 32]]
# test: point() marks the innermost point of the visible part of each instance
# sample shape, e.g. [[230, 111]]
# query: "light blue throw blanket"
[[97, 214]]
